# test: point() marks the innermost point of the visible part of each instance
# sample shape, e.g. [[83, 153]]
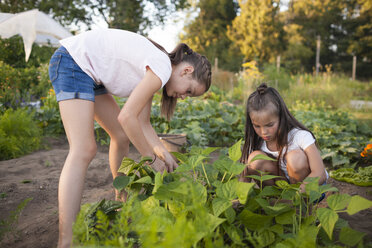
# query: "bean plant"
[[203, 204]]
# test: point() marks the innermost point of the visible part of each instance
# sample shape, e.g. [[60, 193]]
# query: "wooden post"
[[277, 63], [354, 67], [317, 55], [216, 64]]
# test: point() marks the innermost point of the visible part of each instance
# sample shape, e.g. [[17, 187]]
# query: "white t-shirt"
[[297, 139], [117, 58]]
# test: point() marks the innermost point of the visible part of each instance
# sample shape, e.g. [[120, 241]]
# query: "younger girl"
[[91, 67], [272, 130]]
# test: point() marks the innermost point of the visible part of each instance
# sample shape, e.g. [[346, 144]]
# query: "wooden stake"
[[354, 67], [317, 55]]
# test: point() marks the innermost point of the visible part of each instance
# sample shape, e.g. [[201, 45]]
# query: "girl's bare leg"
[[262, 165], [77, 117], [106, 113], [297, 166]]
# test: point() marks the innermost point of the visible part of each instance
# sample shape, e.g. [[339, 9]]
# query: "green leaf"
[[254, 221], [328, 219], [338, 201], [219, 205], [282, 184], [183, 168], [358, 203], [180, 156], [144, 180], [205, 224], [234, 233], [277, 209], [258, 178], [235, 168], [196, 160], [223, 164], [127, 165], [286, 218], [235, 151], [268, 177], [327, 188], [242, 190], [158, 182], [270, 191], [262, 157], [145, 159], [266, 238], [120, 182], [209, 150], [227, 190], [230, 214], [350, 237], [312, 185]]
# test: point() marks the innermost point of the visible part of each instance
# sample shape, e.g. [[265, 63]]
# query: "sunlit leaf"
[[242, 190], [358, 203], [235, 151], [144, 180], [338, 201], [227, 190], [262, 157], [328, 219]]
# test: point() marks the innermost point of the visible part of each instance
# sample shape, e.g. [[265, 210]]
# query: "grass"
[[365, 117]]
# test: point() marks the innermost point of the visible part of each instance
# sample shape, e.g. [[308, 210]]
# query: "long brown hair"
[[202, 73], [259, 100]]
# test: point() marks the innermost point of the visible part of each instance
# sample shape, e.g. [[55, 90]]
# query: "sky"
[[166, 35]]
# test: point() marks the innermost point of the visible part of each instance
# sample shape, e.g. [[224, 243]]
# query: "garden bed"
[[36, 176]]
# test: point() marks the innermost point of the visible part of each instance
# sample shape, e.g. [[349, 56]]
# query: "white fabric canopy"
[[33, 26]]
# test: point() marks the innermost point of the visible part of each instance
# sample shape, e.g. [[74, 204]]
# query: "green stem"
[[230, 177], [205, 173], [223, 177]]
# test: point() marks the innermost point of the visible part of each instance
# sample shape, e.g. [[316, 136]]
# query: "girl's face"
[[181, 84], [265, 124]]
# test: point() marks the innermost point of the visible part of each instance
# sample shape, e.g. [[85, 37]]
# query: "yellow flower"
[[367, 151]]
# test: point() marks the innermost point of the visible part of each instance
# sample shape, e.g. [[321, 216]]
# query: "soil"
[[36, 176]]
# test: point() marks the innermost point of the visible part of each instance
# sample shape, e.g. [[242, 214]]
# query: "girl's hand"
[[158, 165], [170, 163]]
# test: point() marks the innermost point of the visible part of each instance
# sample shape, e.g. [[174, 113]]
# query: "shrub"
[[19, 134], [22, 84]]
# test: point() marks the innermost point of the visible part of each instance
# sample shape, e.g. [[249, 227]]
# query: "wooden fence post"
[[317, 55], [277, 63], [354, 67]]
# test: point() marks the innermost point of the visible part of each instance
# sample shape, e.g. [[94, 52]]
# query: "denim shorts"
[[69, 80]]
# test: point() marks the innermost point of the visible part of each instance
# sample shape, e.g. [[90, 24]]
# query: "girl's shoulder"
[[298, 132], [300, 137]]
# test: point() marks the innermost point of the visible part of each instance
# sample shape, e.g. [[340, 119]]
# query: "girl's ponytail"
[[202, 73], [179, 53]]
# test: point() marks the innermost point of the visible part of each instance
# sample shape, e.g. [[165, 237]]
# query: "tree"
[[343, 25], [123, 14], [207, 35], [65, 11], [258, 31]]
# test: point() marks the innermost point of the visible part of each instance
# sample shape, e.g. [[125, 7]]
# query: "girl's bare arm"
[[317, 167], [129, 116], [153, 139]]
